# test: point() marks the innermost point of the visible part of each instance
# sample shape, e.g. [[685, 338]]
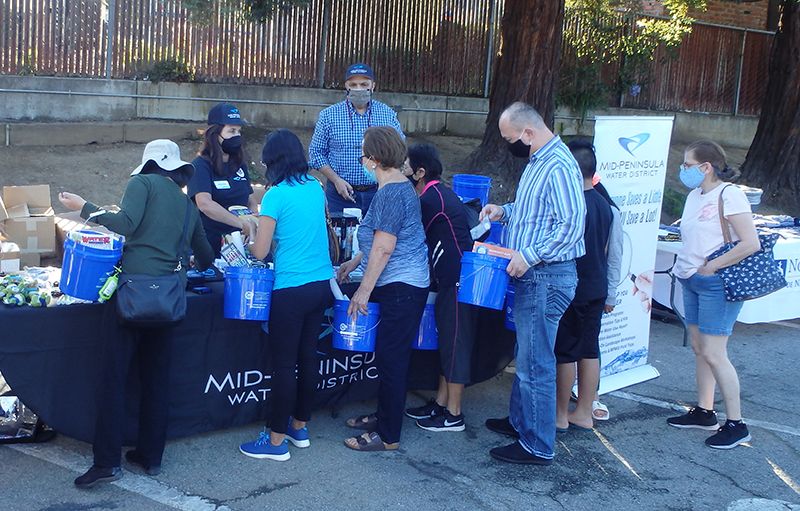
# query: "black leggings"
[[295, 316]]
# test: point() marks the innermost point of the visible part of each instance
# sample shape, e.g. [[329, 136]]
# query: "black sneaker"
[[97, 475], [502, 426], [515, 453], [134, 458], [426, 411], [696, 418], [443, 422], [729, 436]]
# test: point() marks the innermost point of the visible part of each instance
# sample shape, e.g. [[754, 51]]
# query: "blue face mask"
[[369, 172], [691, 177]]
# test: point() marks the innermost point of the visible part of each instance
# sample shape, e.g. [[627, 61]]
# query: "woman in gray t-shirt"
[[394, 257]]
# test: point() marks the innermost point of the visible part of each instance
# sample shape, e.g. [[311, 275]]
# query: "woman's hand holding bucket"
[[358, 304], [346, 268]]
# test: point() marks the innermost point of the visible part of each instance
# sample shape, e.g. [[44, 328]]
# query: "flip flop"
[[600, 411], [562, 430], [367, 422], [371, 442]]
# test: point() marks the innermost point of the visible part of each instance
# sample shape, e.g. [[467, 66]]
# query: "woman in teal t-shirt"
[[292, 215]]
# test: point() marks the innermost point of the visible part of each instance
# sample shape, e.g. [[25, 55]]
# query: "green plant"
[[167, 70], [673, 203]]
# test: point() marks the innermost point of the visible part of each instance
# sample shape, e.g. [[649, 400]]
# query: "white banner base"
[[625, 379]]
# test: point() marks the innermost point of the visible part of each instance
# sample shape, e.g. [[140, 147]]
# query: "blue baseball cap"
[[359, 69], [225, 113]]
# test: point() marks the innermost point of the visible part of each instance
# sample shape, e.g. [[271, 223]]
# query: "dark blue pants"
[[152, 348], [402, 306]]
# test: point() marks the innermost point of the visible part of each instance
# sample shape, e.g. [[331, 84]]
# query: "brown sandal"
[[367, 423], [370, 442]]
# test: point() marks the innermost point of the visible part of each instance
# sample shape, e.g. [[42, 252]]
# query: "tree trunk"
[[526, 70], [773, 161]]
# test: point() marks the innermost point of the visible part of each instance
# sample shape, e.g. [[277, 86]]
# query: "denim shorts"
[[704, 305]]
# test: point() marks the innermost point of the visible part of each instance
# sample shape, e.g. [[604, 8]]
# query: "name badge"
[[222, 185]]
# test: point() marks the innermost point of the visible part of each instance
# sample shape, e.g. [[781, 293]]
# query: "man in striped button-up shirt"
[[545, 232]]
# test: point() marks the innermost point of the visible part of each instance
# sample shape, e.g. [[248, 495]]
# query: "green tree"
[[773, 161], [203, 11], [527, 68]]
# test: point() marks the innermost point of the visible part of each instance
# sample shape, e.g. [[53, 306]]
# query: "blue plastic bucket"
[[496, 234], [483, 280], [358, 334], [248, 293], [510, 308], [428, 336], [85, 269], [471, 186]]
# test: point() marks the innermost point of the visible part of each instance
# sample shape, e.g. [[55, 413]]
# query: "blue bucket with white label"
[[357, 334], [509, 319], [483, 281], [248, 293], [85, 267], [428, 336], [496, 234]]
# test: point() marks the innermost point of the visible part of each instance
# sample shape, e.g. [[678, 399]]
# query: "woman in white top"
[[710, 317]]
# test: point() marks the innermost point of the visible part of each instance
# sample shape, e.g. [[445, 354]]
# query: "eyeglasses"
[[365, 156], [685, 166]]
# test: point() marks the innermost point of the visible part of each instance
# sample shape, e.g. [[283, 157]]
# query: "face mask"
[[519, 149], [359, 98], [232, 145], [691, 177], [413, 181], [370, 172]]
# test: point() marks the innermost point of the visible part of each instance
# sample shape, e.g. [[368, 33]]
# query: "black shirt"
[[231, 189], [446, 233], [593, 266]]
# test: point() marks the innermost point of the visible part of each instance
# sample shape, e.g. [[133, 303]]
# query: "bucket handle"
[[476, 272], [93, 215]]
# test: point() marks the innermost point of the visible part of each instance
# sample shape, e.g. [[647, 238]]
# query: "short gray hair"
[[523, 115]]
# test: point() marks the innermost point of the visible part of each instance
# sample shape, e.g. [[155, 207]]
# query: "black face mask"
[[232, 145], [413, 181], [519, 149]]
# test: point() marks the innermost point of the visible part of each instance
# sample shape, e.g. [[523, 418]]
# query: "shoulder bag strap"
[[723, 222], [181, 251]]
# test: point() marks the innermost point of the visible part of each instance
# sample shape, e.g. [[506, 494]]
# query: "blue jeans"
[[336, 203], [541, 297], [704, 305]]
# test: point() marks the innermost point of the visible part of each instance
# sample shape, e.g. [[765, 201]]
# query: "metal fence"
[[426, 47]]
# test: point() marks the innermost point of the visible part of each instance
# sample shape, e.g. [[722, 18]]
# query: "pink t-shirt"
[[701, 232]]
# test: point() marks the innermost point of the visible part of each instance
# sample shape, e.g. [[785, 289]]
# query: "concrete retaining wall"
[[78, 100]]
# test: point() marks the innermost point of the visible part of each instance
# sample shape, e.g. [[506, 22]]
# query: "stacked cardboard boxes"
[[27, 220]]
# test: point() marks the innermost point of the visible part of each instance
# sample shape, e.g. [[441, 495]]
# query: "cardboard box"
[[9, 257], [29, 259], [30, 222]]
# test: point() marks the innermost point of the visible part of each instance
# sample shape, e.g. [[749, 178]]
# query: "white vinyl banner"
[[632, 164]]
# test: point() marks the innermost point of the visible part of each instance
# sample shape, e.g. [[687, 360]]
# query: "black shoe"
[[515, 453], [426, 411], [97, 475], [502, 426], [443, 422], [696, 418], [729, 436], [133, 457]]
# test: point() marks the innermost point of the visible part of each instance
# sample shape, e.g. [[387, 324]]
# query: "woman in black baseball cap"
[[221, 179]]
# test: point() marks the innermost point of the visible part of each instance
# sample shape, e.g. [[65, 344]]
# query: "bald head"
[[521, 116]]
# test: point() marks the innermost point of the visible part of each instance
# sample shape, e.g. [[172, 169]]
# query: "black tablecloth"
[[51, 358]]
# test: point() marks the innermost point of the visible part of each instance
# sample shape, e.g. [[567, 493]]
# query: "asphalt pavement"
[[633, 461]]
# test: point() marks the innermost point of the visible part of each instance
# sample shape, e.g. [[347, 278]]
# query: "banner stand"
[[624, 379]]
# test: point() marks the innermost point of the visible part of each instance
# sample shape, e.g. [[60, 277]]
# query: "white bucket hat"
[[165, 153]]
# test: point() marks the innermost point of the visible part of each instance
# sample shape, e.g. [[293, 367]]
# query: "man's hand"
[[493, 211], [517, 267], [344, 188]]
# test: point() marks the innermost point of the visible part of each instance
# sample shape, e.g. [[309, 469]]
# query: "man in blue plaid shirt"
[[335, 148]]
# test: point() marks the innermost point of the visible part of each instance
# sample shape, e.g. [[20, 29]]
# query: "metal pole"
[[323, 42], [110, 33], [490, 48], [739, 73]]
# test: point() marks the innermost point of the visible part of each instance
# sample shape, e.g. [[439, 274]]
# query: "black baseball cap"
[[225, 113], [359, 69]]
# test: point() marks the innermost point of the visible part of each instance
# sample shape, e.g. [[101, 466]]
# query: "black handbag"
[[147, 301], [754, 276]]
